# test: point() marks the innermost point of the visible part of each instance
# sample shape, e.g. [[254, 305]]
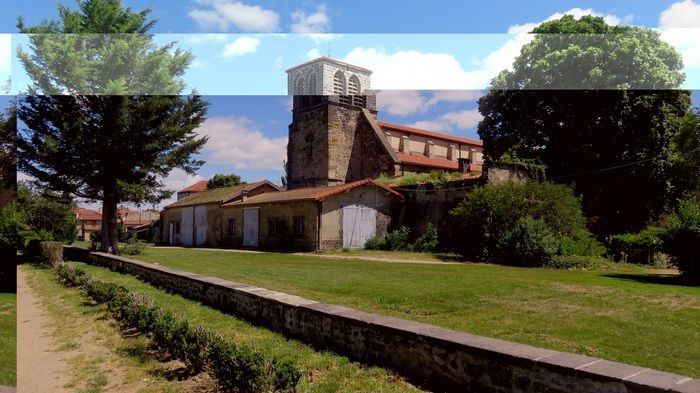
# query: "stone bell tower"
[[334, 137]]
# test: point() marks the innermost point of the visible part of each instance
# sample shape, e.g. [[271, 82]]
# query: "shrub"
[[639, 247], [682, 239], [287, 376], [488, 216], [428, 241], [237, 369], [530, 242], [51, 252], [397, 240], [10, 223], [375, 243], [578, 262], [132, 246], [409, 179], [190, 344]]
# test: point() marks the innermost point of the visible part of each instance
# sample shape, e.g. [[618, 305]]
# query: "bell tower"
[[334, 137]]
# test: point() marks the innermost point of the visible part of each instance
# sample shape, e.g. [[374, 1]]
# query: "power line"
[[605, 169]]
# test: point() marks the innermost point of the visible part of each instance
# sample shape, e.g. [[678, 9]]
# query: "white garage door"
[[187, 226], [359, 225], [200, 222], [250, 227]]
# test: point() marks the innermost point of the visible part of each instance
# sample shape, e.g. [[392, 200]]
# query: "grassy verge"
[[100, 358], [8, 339], [323, 371], [627, 316], [396, 255]]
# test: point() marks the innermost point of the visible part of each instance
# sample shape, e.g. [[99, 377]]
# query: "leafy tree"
[[8, 156], [46, 212], [682, 239], [221, 181], [685, 150], [113, 148], [609, 142]]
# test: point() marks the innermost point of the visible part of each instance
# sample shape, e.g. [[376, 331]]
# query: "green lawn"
[[8, 339], [628, 316], [323, 371]]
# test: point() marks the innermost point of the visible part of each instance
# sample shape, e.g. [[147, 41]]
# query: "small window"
[[177, 227], [231, 226], [272, 224], [299, 226]]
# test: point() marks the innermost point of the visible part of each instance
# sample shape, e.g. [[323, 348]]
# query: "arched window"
[[354, 85], [339, 83], [311, 86], [299, 85]]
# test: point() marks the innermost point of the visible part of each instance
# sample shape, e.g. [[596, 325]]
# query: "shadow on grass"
[[661, 279]]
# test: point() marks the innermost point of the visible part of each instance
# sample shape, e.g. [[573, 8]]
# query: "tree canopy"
[[569, 104], [221, 181], [113, 148], [685, 153], [8, 155]]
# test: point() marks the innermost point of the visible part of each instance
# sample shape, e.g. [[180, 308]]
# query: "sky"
[[425, 49]]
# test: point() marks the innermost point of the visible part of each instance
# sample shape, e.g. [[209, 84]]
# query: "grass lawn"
[[628, 316], [8, 339], [406, 255], [323, 371]]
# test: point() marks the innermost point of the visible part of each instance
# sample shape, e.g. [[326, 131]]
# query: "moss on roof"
[[217, 195]]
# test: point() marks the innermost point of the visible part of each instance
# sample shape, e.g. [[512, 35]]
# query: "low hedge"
[[235, 368]]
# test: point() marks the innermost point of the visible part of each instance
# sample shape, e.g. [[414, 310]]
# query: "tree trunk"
[[110, 229]]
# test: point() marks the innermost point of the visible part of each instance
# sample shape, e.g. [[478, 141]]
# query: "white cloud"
[[197, 39], [241, 46], [237, 142], [463, 119], [682, 14], [224, 13], [324, 37], [432, 125], [317, 22], [313, 54], [454, 96], [401, 103]]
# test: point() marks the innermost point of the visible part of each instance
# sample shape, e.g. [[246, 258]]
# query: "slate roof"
[[308, 194]]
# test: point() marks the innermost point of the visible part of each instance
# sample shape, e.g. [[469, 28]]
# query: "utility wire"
[[605, 169]]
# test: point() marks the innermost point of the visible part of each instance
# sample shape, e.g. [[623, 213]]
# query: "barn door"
[[200, 222], [359, 225], [187, 227], [171, 233], [250, 227]]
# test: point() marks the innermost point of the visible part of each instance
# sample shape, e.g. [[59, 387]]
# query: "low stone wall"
[[434, 357]]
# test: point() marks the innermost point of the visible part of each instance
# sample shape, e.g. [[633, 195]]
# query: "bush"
[[530, 242], [682, 239], [237, 369], [375, 243], [397, 240], [51, 253], [428, 241], [490, 215], [132, 246], [578, 262], [10, 223], [641, 248]]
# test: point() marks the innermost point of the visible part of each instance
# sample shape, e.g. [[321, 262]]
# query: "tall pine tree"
[[103, 142]]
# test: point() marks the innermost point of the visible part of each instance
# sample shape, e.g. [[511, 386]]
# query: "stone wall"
[[434, 357]]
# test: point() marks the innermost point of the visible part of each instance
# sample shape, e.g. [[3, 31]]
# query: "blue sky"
[[433, 47], [358, 16]]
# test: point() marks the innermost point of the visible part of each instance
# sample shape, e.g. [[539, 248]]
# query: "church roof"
[[438, 163], [308, 194], [324, 59], [430, 134]]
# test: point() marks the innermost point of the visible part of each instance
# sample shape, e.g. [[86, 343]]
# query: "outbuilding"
[[310, 219], [197, 219]]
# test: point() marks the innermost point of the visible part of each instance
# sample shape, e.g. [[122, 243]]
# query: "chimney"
[[244, 195]]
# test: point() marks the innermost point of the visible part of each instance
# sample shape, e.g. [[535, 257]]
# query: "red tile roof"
[[430, 134], [196, 187], [308, 194], [83, 214], [439, 163]]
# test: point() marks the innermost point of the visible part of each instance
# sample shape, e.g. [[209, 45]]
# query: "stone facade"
[[334, 143], [437, 358]]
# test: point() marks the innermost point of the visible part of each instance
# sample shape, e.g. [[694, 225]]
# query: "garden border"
[[435, 357]]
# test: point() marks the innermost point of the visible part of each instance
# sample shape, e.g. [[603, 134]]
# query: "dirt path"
[[38, 368]]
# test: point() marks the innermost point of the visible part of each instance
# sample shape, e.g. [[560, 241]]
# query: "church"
[[337, 147]]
